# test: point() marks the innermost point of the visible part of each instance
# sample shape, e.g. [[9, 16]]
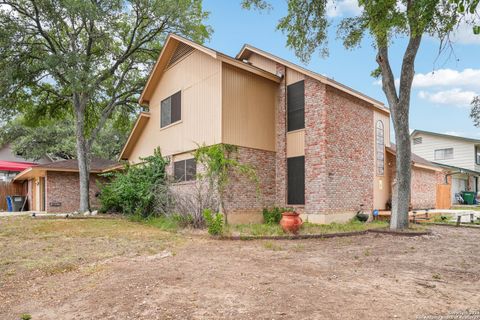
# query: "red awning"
[[15, 166]]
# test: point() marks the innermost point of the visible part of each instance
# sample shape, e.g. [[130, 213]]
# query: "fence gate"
[[444, 197], [10, 189]]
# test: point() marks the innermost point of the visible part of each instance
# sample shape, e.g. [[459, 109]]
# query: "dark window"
[[185, 170], [380, 148], [171, 110], [296, 106], [296, 180], [477, 154]]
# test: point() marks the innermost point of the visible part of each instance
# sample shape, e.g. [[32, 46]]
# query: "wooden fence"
[[10, 189], [444, 197]]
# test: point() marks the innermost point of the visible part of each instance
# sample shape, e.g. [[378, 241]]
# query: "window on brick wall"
[[171, 110], [443, 154], [380, 143], [185, 170], [296, 106], [296, 180]]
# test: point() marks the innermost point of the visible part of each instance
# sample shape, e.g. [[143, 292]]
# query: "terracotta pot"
[[291, 222]]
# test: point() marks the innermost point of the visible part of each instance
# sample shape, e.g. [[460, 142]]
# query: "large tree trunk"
[[400, 107], [82, 153], [402, 186]]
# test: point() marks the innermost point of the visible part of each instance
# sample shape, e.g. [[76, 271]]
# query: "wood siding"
[[263, 63], [463, 151], [296, 143], [294, 76], [382, 184], [248, 115], [199, 78]]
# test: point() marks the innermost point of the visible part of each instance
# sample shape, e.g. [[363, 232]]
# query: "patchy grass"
[[474, 208], [257, 229], [163, 223], [29, 246]]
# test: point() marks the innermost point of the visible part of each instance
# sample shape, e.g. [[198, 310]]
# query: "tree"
[[89, 58], [56, 138], [219, 165], [306, 26]]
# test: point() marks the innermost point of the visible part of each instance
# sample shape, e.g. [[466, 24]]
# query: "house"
[[318, 146], [11, 164], [54, 187], [459, 155]]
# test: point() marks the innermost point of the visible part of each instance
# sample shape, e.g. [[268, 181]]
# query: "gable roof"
[[97, 165], [442, 135], [168, 51], [416, 160], [134, 135], [247, 50]]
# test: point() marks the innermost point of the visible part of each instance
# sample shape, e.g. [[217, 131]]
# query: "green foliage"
[[25, 316], [214, 222], [56, 138], [171, 223], [273, 215], [132, 191], [219, 163]]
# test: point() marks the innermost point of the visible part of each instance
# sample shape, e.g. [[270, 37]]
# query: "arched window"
[[380, 146]]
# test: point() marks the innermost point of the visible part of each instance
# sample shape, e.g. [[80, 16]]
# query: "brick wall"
[[315, 147], [63, 187], [424, 188], [350, 153], [241, 194]]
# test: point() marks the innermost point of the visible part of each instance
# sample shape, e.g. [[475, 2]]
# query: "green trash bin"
[[468, 196]]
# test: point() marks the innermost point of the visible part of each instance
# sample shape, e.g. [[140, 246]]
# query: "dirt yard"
[[83, 269]]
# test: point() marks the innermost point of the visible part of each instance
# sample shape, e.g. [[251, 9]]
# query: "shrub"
[[274, 215], [132, 191], [214, 222]]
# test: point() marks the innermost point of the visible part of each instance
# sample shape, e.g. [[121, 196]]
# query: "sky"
[[443, 87]]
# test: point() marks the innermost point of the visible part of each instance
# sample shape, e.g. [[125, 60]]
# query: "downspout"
[[451, 174]]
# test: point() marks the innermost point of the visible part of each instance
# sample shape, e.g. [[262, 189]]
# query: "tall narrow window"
[[296, 180], [185, 170], [477, 154], [380, 142], [296, 106], [171, 110]]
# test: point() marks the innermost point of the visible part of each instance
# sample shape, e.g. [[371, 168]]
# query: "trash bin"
[[469, 197], [18, 203], [9, 204]]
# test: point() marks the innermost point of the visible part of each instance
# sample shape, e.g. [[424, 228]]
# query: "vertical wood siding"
[[199, 78], [381, 184], [248, 116], [263, 63], [296, 143]]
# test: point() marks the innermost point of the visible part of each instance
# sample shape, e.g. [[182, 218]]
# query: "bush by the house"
[[214, 222], [273, 215], [132, 191]]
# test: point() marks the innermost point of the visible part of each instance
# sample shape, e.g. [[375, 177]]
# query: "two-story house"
[[459, 155], [317, 145]]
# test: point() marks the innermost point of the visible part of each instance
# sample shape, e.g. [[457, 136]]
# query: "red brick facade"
[[62, 188]]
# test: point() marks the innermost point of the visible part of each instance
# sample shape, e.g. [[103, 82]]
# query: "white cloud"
[[454, 97], [342, 8], [468, 78]]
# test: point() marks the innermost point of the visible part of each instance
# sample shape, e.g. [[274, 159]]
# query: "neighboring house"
[[11, 164], [318, 146], [459, 155], [54, 187]]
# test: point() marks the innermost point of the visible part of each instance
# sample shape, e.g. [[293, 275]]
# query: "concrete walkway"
[[13, 214]]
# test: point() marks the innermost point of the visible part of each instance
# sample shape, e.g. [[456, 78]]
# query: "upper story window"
[[171, 110], [380, 142], [443, 154], [296, 106], [185, 170], [417, 140], [477, 155]]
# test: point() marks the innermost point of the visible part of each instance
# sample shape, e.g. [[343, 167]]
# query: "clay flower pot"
[[291, 222]]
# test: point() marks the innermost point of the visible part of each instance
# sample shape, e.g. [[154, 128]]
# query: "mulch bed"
[[329, 235]]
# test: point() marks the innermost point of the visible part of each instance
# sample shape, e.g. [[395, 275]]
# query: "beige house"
[[459, 155], [317, 145]]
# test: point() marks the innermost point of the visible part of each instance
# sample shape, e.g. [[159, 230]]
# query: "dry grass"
[[30, 246]]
